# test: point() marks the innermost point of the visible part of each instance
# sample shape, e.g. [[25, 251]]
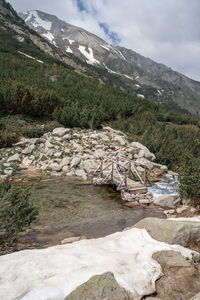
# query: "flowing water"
[[71, 207], [168, 186]]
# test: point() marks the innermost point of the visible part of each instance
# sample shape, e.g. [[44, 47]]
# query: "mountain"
[[131, 71]]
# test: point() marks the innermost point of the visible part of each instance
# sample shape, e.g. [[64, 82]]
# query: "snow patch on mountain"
[[68, 50], [49, 36], [71, 41], [105, 47], [38, 21], [31, 57], [90, 56]]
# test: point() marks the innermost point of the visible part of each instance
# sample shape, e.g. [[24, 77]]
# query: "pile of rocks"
[[75, 152]]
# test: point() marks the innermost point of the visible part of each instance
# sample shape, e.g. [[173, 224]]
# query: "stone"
[[65, 169], [120, 140], [181, 278], [67, 137], [75, 162], [58, 154], [179, 210], [94, 136], [145, 201], [184, 233], [14, 158], [48, 145], [64, 162], [196, 297], [29, 149], [60, 131], [169, 212], [81, 173], [167, 201], [90, 165], [8, 172], [55, 167], [100, 154], [99, 287], [146, 154], [144, 163]]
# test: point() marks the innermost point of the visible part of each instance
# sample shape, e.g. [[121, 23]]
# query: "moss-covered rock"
[[99, 287]]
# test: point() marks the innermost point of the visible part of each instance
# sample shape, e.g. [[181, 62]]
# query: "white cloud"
[[167, 31]]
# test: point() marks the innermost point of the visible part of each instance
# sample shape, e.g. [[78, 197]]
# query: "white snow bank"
[[54, 272], [68, 49], [31, 57], [38, 21], [49, 36], [89, 55], [189, 219]]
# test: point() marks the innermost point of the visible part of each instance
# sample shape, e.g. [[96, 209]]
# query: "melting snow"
[[105, 47], [111, 71], [90, 57], [55, 272], [137, 86], [38, 21], [49, 36], [31, 57], [69, 50], [71, 41]]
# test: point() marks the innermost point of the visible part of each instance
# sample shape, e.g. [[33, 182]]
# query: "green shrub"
[[16, 212]]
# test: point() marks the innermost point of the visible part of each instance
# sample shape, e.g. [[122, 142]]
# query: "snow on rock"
[[140, 96], [31, 57], [68, 50], [54, 272], [89, 55], [71, 41], [103, 46], [49, 36], [38, 21]]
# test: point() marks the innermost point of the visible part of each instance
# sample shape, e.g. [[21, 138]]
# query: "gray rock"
[[29, 149], [144, 163], [48, 145], [81, 173], [183, 233], [55, 167], [196, 297], [167, 201], [90, 165], [67, 137], [99, 153], [120, 140], [60, 131], [64, 162], [14, 158], [146, 154], [99, 287], [75, 162]]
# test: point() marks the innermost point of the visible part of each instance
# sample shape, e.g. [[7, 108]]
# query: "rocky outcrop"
[[167, 201], [99, 287], [77, 152], [185, 233], [181, 278]]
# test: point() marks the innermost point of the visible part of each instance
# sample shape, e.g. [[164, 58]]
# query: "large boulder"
[[75, 162], [167, 201], [90, 165], [181, 278], [14, 158], [184, 233], [99, 287], [60, 131], [145, 151], [144, 163]]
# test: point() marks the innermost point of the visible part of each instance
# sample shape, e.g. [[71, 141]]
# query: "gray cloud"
[[167, 31]]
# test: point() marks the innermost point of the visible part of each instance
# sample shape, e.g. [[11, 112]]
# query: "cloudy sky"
[[167, 31]]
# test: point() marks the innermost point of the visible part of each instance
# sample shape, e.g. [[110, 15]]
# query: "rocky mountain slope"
[[130, 70]]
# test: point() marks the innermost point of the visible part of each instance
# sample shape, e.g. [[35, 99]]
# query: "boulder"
[[14, 158], [67, 137], [99, 153], [55, 167], [146, 154], [81, 173], [90, 165], [196, 297], [29, 149], [64, 162], [167, 201], [48, 145], [181, 278], [120, 140], [184, 233], [144, 163], [60, 131], [75, 162], [99, 287]]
